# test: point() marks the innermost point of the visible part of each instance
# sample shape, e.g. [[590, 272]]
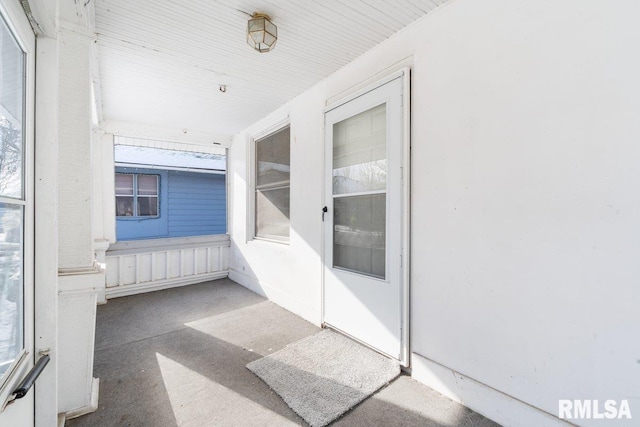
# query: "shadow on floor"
[[177, 358]]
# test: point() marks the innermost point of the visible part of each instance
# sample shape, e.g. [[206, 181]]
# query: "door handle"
[[324, 211], [27, 382]]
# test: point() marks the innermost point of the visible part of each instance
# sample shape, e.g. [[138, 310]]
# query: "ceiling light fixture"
[[261, 33]]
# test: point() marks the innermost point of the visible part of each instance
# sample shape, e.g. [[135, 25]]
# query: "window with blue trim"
[[137, 195]]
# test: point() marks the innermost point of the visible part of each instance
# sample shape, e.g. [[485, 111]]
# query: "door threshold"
[[325, 325]]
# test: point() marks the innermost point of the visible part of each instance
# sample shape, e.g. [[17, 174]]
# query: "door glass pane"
[[11, 288], [11, 111], [359, 238], [147, 185], [359, 152]]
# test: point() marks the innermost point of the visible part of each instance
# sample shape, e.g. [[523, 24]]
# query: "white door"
[[17, 357], [364, 290]]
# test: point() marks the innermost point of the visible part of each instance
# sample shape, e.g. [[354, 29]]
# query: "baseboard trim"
[[485, 400], [127, 290], [277, 296], [91, 407]]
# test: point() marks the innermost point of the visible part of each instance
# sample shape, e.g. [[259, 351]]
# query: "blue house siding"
[[197, 204], [191, 204]]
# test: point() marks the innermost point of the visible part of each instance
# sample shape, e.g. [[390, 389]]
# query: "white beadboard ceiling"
[[161, 62]]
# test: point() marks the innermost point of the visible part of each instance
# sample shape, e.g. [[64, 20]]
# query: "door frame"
[[20, 27], [405, 244]]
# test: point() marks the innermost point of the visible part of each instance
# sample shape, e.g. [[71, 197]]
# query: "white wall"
[[289, 274], [527, 214], [525, 202]]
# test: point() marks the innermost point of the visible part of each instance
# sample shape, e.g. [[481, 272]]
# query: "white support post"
[[80, 276]]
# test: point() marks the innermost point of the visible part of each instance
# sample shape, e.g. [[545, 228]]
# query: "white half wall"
[[137, 266], [525, 207]]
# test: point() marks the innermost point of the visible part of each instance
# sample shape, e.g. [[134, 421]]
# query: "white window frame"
[[275, 127], [14, 17], [135, 196]]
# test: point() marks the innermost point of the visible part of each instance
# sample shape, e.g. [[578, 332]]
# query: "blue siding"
[[197, 204], [191, 204]]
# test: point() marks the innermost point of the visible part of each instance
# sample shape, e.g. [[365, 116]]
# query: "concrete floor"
[[177, 358]]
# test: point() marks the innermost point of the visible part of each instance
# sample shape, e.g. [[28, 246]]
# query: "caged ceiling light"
[[261, 33]]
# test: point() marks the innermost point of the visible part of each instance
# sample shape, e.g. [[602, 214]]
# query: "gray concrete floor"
[[177, 358]]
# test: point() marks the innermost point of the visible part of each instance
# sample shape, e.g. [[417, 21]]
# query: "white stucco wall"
[[525, 202]]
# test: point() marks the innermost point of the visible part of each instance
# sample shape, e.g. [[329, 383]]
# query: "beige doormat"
[[323, 376]]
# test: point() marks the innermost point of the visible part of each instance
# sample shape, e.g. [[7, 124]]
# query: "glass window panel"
[[124, 206], [124, 184], [11, 285], [272, 214], [273, 159], [11, 112], [147, 206], [359, 234], [147, 185], [360, 152]]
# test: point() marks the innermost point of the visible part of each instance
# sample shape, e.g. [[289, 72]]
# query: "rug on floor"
[[324, 375]]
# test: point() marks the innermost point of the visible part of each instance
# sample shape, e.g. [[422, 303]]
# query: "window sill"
[[267, 242], [136, 218]]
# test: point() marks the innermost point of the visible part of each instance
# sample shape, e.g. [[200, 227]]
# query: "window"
[[272, 155], [136, 195]]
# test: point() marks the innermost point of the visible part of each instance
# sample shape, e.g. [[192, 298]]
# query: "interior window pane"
[[359, 152], [124, 184], [273, 159], [147, 206], [147, 185], [359, 234], [272, 214], [11, 286], [11, 111], [124, 206]]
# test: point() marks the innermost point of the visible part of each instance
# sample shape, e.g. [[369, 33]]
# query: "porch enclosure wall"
[[524, 202]]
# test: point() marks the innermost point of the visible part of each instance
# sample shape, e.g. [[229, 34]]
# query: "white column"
[[104, 223], [104, 187], [79, 275], [74, 160]]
